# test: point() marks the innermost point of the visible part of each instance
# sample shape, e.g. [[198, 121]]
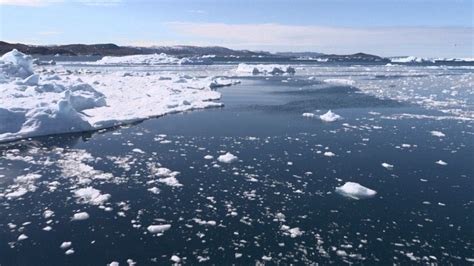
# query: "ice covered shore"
[[35, 101]]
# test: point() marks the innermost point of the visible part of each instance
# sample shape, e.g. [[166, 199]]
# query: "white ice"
[[355, 191], [80, 216], [265, 69], [227, 158], [330, 117], [35, 102]]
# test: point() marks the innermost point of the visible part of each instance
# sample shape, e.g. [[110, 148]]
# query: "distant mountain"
[[299, 54], [115, 50], [358, 57], [218, 53]]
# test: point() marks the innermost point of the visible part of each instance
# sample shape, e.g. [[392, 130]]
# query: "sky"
[[428, 28]]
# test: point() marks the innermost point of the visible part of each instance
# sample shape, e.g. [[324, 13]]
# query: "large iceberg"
[[35, 102], [152, 59], [265, 69]]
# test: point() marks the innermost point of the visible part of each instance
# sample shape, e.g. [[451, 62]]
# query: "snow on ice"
[[330, 117], [35, 102], [355, 191]]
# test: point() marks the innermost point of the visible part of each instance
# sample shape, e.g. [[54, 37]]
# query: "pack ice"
[[35, 101]]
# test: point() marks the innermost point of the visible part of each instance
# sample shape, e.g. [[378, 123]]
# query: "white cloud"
[[31, 3], [421, 41]]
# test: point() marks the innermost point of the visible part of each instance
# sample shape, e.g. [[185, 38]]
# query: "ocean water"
[[275, 204]]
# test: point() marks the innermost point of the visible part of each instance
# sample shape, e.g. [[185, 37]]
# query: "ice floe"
[[265, 69], [330, 117], [227, 158], [438, 134], [156, 229], [80, 216], [355, 191], [348, 82], [91, 195], [34, 102]]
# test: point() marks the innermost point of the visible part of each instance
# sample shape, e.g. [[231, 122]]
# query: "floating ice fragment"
[[208, 157], [22, 237], [227, 158], [138, 150], [355, 191], [48, 213], [155, 229], [91, 195], [65, 245], [388, 166], [438, 134], [330, 117], [69, 252], [80, 216], [309, 115], [175, 259], [441, 162], [329, 154], [347, 82]]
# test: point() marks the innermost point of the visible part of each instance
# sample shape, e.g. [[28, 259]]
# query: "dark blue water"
[[422, 212]]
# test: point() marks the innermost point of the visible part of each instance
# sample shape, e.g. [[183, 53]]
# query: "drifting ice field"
[[330, 164]]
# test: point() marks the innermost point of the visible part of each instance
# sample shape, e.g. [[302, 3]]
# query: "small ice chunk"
[[155, 229], [227, 158], [355, 190], [309, 115], [388, 166], [441, 162], [175, 259], [65, 245], [330, 117], [208, 157], [138, 150], [438, 134], [47, 214], [22, 237], [80, 216], [113, 263], [329, 154], [69, 252]]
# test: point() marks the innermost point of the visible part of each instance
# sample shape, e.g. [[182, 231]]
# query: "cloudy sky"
[[431, 28]]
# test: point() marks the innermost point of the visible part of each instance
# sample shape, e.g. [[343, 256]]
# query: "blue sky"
[[385, 27]]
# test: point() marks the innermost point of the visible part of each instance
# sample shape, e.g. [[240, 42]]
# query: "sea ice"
[[309, 115], [155, 229], [388, 166], [265, 69], [441, 162], [330, 117], [355, 191], [438, 134], [347, 82], [36, 103], [91, 195], [65, 245], [227, 158], [152, 59], [80, 216]]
